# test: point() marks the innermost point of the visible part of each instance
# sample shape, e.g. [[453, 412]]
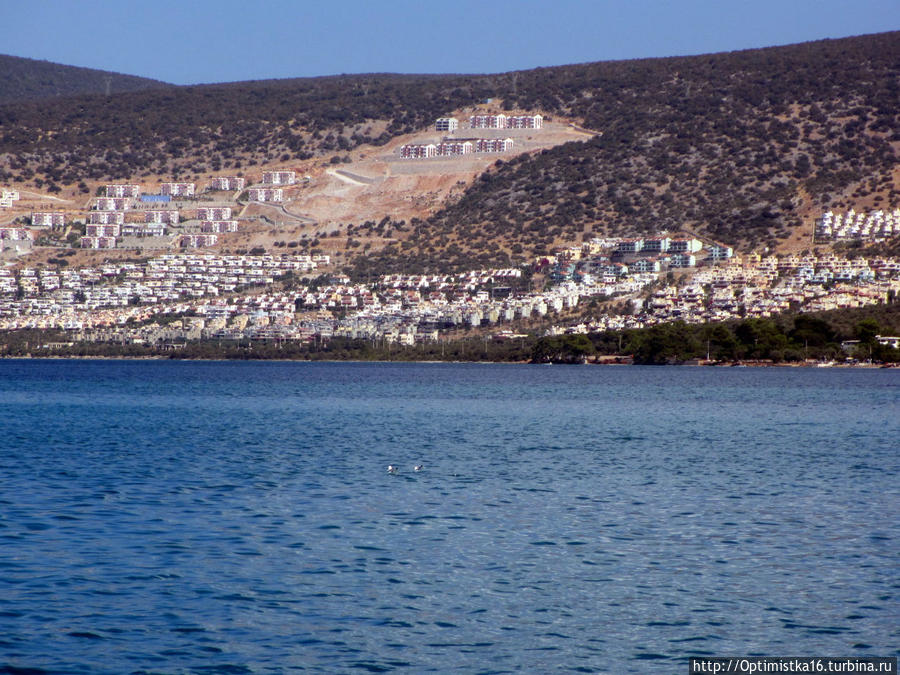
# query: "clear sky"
[[199, 41]]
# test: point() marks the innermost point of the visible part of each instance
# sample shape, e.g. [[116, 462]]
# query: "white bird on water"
[[392, 468], [418, 467]]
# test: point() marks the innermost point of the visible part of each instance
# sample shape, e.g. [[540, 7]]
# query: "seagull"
[[392, 468], [418, 467]]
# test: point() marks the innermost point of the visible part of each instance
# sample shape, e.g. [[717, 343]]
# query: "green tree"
[[761, 339], [866, 330], [666, 343], [562, 349]]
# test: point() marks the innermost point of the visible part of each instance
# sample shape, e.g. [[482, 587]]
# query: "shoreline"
[[609, 363]]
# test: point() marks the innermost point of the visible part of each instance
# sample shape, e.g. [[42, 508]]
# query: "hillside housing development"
[[873, 226], [501, 121], [96, 304], [455, 147], [127, 214]]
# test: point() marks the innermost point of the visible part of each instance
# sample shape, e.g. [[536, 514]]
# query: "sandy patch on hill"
[[379, 183]]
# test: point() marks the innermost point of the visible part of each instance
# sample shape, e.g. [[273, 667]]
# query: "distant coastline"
[[623, 361]]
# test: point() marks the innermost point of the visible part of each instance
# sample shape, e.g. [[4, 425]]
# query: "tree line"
[[782, 339]]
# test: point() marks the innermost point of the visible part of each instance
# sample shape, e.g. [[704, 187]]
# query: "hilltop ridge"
[[23, 80]]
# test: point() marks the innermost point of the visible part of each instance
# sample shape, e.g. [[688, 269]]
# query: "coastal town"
[[136, 302], [182, 288]]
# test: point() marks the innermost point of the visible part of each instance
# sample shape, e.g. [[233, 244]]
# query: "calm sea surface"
[[173, 517]]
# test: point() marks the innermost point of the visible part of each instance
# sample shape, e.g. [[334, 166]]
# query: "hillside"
[[747, 148], [24, 80], [744, 147]]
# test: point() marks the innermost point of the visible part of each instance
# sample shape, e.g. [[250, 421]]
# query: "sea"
[[239, 517]]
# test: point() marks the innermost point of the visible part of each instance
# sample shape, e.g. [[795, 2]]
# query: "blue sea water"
[[208, 517]]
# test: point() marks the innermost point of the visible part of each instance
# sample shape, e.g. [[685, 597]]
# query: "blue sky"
[[198, 41]]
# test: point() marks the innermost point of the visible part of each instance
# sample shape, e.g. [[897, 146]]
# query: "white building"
[[144, 230], [219, 226], [169, 216], [214, 213], [447, 148], [446, 124], [177, 189], [266, 194], [418, 150], [97, 230], [48, 219], [98, 242], [488, 121], [123, 190], [493, 145], [227, 183], [112, 203], [279, 177], [15, 234], [717, 252], [656, 245], [685, 245], [197, 240], [682, 260], [8, 197], [106, 217], [525, 122], [630, 245]]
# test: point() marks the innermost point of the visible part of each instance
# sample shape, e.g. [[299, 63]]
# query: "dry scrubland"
[[376, 183], [745, 148]]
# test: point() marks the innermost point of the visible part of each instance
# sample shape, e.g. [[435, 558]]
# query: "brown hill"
[[744, 147]]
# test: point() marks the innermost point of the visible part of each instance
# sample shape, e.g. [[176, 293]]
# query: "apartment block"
[[219, 226], [447, 148], [685, 245], [279, 177], [113, 203], [48, 219], [198, 240], [169, 216], [123, 190], [446, 124], [493, 145], [214, 213], [266, 194], [227, 183], [15, 234], [630, 245], [98, 230], [682, 260], [98, 242], [177, 189], [656, 245], [144, 230], [418, 150], [718, 252], [488, 121], [106, 217], [525, 122]]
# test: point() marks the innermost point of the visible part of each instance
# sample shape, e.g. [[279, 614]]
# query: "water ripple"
[[569, 520]]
